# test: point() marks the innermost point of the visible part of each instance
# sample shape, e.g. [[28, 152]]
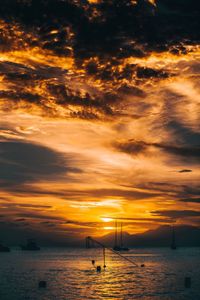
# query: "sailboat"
[[173, 244], [30, 246], [4, 248], [119, 246]]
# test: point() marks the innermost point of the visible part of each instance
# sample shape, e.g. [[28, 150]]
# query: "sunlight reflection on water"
[[70, 275]]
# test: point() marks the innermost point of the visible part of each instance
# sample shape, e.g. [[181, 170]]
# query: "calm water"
[[70, 275]]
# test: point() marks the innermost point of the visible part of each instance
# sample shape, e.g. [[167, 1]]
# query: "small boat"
[[119, 247], [125, 249], [4, 248], [30, 246]]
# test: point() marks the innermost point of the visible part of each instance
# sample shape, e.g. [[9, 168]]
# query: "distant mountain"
[[159, 237]]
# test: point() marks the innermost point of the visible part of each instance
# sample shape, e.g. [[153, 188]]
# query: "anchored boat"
[[30, 246], [118, 245], [4, 248]]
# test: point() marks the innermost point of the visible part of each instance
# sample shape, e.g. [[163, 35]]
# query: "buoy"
[[98, 268], [142, 265], [93, 262], [187, 282], [42, 284]]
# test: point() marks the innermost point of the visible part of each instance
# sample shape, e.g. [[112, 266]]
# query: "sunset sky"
[[99, 117]]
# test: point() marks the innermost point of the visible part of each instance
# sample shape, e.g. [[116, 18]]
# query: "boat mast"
[[116, 242], [173, 235], [173, 245], [121, 241]]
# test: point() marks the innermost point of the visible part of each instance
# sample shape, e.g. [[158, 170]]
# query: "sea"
[[70, 274]]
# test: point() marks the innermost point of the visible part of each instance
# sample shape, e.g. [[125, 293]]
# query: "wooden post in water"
[[121, 239], [104, 257]]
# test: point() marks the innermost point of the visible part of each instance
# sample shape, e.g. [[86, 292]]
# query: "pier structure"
[[90, 242]]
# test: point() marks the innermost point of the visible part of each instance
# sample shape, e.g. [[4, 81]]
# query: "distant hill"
[[159, 237]]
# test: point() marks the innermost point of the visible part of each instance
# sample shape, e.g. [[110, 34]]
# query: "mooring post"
[[104, 257], [42, 284], [98, 268], [187, 282]]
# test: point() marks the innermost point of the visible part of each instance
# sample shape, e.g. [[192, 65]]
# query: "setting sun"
[[106, 220]]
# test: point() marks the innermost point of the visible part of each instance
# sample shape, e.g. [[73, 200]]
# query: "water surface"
[[70, 275]]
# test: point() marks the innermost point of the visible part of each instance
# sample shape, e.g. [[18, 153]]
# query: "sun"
[[106, 220]]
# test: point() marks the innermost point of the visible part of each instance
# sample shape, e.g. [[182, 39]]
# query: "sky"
[[99, 117]]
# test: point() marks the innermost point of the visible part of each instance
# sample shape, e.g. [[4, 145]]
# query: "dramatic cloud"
[[25, 162], [176, 214], [192, 200], [185, 171], [138, 147]]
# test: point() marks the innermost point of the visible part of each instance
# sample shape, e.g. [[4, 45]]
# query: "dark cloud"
[[131, 90], [38, 216], [176, 214], [179, 5], [20, 220], [144, 72], [183, 133], [23, 162], [191, 200], [112, 70], [29, 97], [53, 86], [176, 191], [47, 219], [16, 72], [130, 194], [127, 194], [108, 27], [161, 186], [185, 152], [98, 37], [9, 204], [65, 96], [132, 147], [29, 205], [185, 171], [192, 190]]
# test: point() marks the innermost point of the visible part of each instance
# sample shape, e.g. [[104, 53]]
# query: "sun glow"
[[108, 228], [107, 220]]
